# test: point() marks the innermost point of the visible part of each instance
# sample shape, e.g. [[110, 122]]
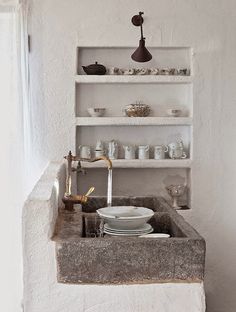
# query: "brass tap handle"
[[90, 191]]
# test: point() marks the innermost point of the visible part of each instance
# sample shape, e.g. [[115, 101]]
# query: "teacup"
[[164, 71], [173, 71], [113, 70], [183, 71], [142, 71], [129, 71], [154, 71]]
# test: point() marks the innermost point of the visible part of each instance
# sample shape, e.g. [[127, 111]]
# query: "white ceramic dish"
[[125, 217], [146, 230], [96, 112], [156, 235]]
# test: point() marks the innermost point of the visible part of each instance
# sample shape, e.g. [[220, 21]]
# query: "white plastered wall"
[[206, 26]]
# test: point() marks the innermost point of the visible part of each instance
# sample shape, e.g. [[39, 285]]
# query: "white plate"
[[156, 235], [144, 228], [126, 234]]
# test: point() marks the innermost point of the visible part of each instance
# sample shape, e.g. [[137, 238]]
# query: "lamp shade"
[[141, 54]]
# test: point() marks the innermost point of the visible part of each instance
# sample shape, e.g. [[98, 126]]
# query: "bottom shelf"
[[140, 163]]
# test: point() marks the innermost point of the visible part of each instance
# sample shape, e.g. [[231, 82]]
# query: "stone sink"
[[122, 260]]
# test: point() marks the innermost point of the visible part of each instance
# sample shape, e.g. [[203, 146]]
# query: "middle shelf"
[[133, 121]]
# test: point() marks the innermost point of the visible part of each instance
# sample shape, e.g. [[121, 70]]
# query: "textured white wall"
[[207, 26]]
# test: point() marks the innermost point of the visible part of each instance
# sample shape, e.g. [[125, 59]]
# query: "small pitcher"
[[113, 149], [159, 151], [85, 151], [129, 151], [143, 152]]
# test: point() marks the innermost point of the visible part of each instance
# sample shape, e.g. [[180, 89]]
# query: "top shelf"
[[133, 79]]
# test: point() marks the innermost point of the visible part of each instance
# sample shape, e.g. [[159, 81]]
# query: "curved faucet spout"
[[106, 159], [83, 198]]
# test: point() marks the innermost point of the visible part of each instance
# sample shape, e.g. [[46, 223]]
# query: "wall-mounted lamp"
[[141, 54]]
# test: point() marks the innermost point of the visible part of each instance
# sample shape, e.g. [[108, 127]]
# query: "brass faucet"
[[69, 200]]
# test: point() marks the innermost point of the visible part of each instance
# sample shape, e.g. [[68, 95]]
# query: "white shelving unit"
[[115, 91], [143, 164], [133, 79], [133, 121]]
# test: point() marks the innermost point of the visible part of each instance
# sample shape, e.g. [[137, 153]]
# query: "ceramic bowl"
[[96, 112], [174, 112], [137, 110], [125, 217]]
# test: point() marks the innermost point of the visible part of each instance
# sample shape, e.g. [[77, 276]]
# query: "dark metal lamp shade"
[[141, 54]]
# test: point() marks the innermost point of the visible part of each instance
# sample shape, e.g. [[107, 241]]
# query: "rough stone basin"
[[122, 260]]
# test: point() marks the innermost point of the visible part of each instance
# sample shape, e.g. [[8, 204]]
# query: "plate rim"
[[145, 227], [128, 234]]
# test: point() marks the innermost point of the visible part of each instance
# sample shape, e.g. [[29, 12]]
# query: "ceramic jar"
[[176, 150], [143, 152], [99, 150], [85, 151], [159, 151], [99, 153], [129, 151], [113, 149]]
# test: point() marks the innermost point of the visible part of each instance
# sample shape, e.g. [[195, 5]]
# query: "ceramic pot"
[[129, 151], [143, 152], [95, 69], [85, 151]]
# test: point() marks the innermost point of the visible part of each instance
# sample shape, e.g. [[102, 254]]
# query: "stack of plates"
[[126, 220], [145, 229]]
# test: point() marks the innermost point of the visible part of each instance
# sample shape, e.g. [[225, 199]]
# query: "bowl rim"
[[101, 212]]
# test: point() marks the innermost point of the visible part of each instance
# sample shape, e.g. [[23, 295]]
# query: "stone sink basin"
[[122, 260]]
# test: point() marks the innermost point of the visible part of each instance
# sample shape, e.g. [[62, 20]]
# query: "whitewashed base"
[[43, 293]]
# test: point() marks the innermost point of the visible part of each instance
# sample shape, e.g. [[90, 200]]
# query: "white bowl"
[[125, 217], [96, 112], [174, 112]]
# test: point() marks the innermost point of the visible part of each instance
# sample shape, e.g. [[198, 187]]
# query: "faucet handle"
[[90, 191]]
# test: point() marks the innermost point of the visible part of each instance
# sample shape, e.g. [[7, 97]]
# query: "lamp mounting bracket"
[[137, 20]]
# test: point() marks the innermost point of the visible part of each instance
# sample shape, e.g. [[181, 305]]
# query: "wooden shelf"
[[142, 164], [133, 79], [133, 121]]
